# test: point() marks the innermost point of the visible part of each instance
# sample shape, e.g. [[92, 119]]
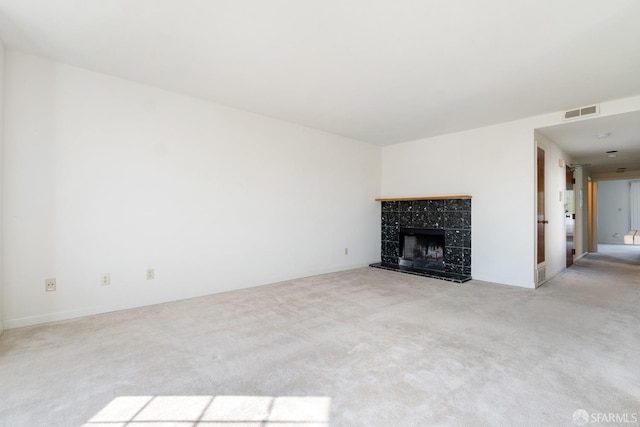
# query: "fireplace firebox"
[[422, 248]]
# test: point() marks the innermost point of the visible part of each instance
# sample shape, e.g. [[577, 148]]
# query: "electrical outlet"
[[105, 279], [151, 274], [50, 285]]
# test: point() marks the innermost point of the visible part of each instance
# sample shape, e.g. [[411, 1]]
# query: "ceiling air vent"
[[589, 110]]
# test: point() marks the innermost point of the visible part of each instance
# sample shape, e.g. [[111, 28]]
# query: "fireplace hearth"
[[428, 236]]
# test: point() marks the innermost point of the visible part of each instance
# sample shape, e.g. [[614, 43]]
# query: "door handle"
[[543, 222]]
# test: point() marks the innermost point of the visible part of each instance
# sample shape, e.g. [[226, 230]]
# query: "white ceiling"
[[382, 71], [588, 141]]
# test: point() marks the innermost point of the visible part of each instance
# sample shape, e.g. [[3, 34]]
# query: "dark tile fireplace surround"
[[432, 215]]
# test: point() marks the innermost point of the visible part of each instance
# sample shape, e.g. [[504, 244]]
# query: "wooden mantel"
[[409, 199]]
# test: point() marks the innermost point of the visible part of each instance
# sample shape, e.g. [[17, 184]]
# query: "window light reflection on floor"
[[214, 411]]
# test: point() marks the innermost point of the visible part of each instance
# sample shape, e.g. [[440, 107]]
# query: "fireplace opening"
[[422, 248]]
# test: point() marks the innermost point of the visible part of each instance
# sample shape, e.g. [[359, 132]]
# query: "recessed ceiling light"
[[611, 155], [604, 135]]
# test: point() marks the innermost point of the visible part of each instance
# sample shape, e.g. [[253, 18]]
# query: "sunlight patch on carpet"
[[214, 411]]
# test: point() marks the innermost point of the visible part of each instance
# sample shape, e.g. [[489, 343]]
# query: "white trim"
[[580, 256], [92, 311], [71, 314]]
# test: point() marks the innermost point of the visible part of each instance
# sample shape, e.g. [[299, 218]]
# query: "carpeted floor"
[[365, 347]]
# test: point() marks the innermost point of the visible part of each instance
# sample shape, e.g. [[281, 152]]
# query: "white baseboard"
[[72, 314], [580, 256], [91, 311]]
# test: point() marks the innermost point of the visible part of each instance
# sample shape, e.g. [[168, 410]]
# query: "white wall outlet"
[[151, 274], [346, 251], [105, 279], [50, 285]]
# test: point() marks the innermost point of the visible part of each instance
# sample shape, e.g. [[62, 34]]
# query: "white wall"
[[104, 175], [496, 166], [1, 170], [614, 220]]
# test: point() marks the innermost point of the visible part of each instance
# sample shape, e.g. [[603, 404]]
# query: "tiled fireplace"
[[427, 236]]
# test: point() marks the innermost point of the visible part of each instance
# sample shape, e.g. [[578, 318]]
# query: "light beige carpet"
[[364, 347]]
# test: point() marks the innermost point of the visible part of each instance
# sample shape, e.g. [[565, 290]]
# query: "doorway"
[[569, 214], [598, 149]]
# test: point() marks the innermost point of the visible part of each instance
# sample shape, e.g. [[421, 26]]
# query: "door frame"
[[570, 216], [592, 215], [592, 202], [540, 267]]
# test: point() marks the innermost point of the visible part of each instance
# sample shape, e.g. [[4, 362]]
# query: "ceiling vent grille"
[[589, 110]]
